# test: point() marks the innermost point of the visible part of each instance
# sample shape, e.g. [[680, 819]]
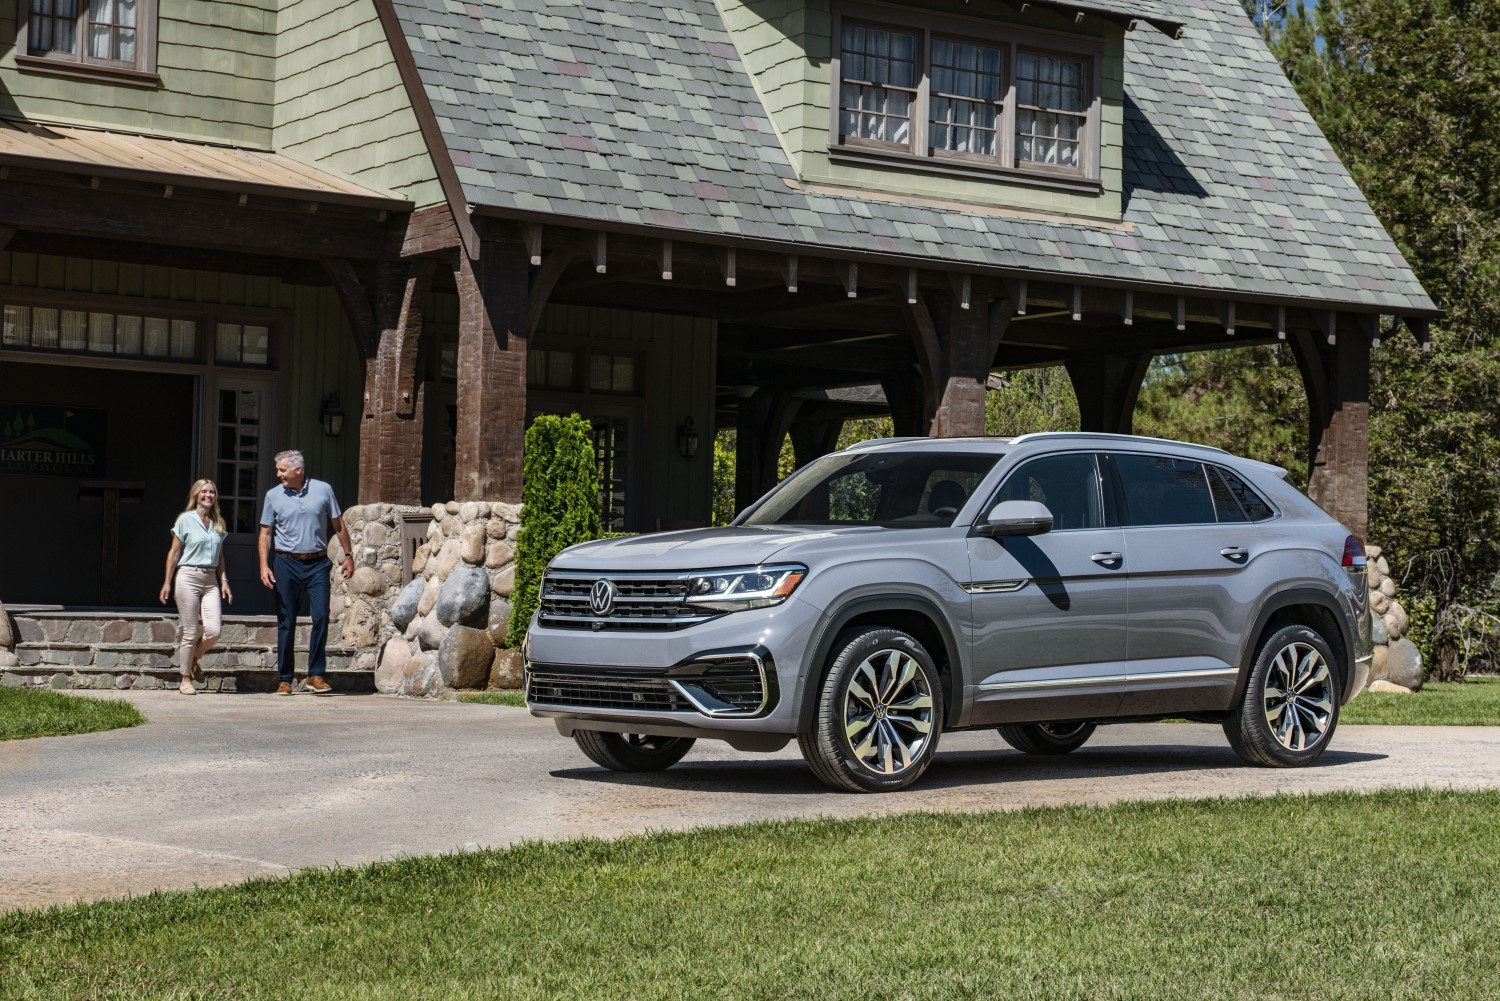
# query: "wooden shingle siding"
[[217, 77], [340, 103], [320, 356]]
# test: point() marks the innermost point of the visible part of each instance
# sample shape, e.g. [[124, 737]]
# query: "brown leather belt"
[[304, 557]]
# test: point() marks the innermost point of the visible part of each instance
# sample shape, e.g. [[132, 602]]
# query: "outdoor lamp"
[[333, 416], [687, 439]]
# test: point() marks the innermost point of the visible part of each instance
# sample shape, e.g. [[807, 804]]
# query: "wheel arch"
[[914, 614], [1309, 607]]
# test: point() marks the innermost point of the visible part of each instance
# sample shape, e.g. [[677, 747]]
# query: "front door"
[[239, 447], [1049, 610]]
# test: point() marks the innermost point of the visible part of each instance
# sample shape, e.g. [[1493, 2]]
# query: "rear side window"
[[1068, 484], [1225, 505], [1164, 490], [1254, 505]]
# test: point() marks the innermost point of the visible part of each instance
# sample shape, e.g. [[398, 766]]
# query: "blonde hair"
[[216, 520]]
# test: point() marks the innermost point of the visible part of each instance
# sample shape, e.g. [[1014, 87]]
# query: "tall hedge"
[[560, 506]]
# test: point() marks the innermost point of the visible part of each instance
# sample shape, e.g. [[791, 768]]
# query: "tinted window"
[[921, 489], [1225, 505], [1067, 484], [1162, 490], [1255, 506]]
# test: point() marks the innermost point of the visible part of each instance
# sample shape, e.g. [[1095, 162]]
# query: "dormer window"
[[93, 38], [968, 95]]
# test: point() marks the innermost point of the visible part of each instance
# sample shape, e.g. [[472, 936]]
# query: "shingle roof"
[[641, 114]]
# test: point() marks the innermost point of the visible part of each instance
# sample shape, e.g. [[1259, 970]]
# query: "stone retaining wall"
[[448, 625], [1397, 665]]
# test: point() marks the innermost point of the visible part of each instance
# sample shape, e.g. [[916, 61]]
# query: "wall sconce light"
[[333, 416], [687, 439]]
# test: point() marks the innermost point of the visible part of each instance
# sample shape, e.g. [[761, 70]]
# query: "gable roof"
[[636, 114]]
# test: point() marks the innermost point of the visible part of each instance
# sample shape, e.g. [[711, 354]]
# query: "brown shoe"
[[285, 688], [318, 686]]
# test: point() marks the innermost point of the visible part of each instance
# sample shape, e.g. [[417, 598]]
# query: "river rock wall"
[[1397, 665]]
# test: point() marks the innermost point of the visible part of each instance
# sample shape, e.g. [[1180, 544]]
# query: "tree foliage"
[[560, 506]]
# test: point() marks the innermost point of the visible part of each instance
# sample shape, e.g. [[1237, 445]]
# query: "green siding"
[[340, 102], [217, 78], [319, 351], [787, 47], [680, 354]]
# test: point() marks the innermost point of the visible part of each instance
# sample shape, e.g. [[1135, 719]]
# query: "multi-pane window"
[[98, 34], [242, 344], [1051, 108], [52, 328], [995, 102]]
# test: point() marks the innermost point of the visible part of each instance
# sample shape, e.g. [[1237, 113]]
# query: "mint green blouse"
[[200, 546]]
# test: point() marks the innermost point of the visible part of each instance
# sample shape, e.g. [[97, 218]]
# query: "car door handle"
[[1234, 553], [1105, 559]]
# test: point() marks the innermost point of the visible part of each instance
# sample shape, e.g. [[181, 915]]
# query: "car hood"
[[702, 548]]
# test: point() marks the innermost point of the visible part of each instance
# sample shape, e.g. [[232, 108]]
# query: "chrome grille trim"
[[643, 601]]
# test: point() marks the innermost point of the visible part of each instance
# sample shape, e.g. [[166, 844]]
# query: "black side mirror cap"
[[1016, 518]]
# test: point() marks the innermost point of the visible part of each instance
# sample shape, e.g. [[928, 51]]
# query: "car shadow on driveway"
[[956, 769]]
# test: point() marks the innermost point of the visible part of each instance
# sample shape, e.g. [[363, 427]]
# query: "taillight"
[[1354, 552]]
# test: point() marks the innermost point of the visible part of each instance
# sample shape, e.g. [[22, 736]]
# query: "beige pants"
[[197, 594]]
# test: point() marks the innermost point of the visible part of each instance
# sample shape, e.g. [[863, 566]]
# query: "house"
[[389, 232]]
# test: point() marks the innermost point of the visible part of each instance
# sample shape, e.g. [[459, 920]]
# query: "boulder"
[[1382, 566], [421, 675], [61, 680], [367, 581], [1404, 665], [7, 635], [1388, 587], [499, 620], [506, 672], [497, 554], [419, 562], [1395, 620], [463, 596], [1379, 602], [1373, 552], [11, 680], [447, 559], [429, 632], [495, 529], [505, 582], [375, 535], [452, 526], [8, 659], [391, 670], [1373, 577], [1389, 688], [1378, 632], [1378, 659], [464, 658], [471, 545], [468, 511], [439, 512], [430, 592], [361, 625], [404, 608]]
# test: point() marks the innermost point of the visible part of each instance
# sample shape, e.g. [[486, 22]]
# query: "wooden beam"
[[664, 260], [1328, 323], [1179, 313], [912, 295], [929, 350], [1225, 310], [1077, 306], [1369, 327], [601, 253], [963, 287], [1280, 323], [1127, 309], [728, 264], [1421, 331], [849, 278], [531, 235], [355, 298], [1015, 291], [425, 231], [789, 272], [544, 280]]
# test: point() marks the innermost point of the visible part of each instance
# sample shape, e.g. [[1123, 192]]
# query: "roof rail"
[[1036, 435], [882, 441]]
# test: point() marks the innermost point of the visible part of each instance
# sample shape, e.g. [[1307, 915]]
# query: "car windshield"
[[917, 489]]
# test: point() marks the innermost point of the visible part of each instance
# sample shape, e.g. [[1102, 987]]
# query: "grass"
[[1389, 896], [508, 698], [1472, 702], [40, 712]]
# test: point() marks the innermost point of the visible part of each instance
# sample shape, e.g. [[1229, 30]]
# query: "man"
[[296, 520]]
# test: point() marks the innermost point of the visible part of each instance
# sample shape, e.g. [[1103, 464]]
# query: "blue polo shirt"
[[301, 517]]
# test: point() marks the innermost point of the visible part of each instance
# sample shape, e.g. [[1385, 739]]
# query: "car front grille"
[[727, 685], [548, 687], [641, 602]]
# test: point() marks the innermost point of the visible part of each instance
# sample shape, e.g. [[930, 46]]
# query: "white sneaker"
[[186, 688]]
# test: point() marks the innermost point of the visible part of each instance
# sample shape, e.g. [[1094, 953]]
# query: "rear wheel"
[[1291, 702], [879, 714], [1047, 738], [632, 752]]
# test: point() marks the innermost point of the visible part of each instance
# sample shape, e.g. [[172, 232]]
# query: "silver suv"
[[1040, 585]]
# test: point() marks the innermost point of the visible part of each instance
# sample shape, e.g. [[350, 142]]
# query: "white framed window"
[[110, 39], [964, 94]]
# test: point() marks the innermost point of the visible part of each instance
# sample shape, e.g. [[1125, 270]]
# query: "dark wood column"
[[1337, 379], [764, 420], [813, 439], [493, 322], [955, 347], [903, 392], [1106, 386]]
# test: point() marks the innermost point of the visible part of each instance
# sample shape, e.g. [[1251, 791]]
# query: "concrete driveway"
[[217, 789]]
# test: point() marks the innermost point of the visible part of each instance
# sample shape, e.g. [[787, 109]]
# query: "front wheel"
[[1046, 738], [879, 714], [632, 752], [1291, 702]]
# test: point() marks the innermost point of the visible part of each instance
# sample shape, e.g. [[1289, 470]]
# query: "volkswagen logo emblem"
[[602, 597]]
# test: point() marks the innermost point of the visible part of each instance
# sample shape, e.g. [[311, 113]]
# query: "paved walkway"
[[217, 789]]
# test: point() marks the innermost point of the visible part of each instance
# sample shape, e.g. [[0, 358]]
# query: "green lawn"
[[1473, 702], [509, 698], [1385, 896], [40, 712]]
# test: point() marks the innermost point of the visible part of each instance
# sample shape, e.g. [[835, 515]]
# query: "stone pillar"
[[1106, 386], [493, 298], [390, 441], [965, 356], [1337, 380]]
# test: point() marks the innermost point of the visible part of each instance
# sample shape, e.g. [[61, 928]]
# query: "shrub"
[[560, 506]]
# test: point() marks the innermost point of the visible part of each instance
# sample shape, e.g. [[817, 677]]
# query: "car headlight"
[[744, 587]]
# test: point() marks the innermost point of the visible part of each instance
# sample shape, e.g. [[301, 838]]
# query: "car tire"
[[1047, 738], [856, 742], [632, 752], [1291, 703]]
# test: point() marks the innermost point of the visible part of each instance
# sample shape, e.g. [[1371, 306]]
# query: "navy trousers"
[[295, 578]]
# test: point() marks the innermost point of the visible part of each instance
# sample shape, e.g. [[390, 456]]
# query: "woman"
[[197, 554]]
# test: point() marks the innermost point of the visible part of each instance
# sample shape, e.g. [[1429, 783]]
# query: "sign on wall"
[[51, 441]]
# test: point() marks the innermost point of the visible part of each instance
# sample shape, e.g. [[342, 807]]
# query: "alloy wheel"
[[1298, 697], [888, 712]]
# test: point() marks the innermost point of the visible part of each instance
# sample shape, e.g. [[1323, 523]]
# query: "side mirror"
[[1017, 518]]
